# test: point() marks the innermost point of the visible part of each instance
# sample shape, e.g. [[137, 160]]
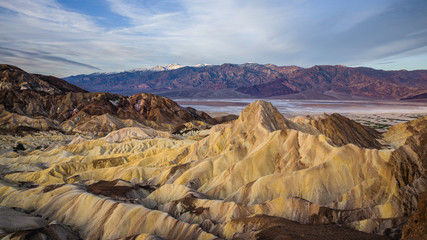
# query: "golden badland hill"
[[240, 180]]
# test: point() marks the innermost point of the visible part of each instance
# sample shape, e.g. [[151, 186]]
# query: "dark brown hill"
[[342, 130], [60, 84], [417, 224], [14, 78], [29, 101]]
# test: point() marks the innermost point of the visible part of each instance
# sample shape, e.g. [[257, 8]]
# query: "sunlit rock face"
[[244, 179]]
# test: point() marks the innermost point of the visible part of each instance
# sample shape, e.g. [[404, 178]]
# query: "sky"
[[69, 37]]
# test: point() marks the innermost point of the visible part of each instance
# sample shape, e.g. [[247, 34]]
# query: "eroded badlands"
[[242, 179]]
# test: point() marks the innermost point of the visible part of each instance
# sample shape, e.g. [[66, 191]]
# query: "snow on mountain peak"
[[166, 67]]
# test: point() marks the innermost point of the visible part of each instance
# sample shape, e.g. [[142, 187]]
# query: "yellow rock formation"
[[196, 188]]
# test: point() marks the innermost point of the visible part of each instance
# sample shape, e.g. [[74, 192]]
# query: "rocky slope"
[[342, 131], [19, 225], [417, 224], [255, 80], [15, 79], [35, 102], [246, 179]]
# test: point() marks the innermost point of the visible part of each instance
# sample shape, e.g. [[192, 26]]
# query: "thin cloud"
[[40, 55], [388, 62], [49, 11], [189, 32]]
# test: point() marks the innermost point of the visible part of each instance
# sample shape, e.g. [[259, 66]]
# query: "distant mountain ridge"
[[257, 80], [158, 68]]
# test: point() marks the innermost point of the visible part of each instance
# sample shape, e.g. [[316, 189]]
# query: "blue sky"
[[67, 37]]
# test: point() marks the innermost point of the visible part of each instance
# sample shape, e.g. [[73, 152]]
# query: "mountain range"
[[253, 80]]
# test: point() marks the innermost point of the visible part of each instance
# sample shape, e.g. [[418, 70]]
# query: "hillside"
[[15, 79], [34, 102]]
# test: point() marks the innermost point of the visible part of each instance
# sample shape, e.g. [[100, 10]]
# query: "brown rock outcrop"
[[342, 130], [417, 224], [263, 227], [15, 79], [164, 110], [44, 103]]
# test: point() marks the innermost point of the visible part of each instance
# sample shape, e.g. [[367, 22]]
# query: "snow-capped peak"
[[166, 67], [157, 68], [201, 65]]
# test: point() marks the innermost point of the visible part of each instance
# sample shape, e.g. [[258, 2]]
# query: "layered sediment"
[[242, 179]]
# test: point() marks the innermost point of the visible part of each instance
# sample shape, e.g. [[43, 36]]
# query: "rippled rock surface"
[[258, 177]]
